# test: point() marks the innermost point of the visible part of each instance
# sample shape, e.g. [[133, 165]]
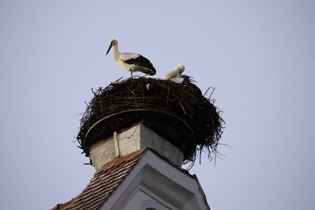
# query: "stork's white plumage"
[[131, 61], [176, 75]]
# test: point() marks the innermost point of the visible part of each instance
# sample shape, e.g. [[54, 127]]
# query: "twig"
[[212, 92], [182, 106], [115, 81]]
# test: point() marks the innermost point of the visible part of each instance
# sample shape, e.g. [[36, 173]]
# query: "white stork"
[[131, 61], [176, 75]]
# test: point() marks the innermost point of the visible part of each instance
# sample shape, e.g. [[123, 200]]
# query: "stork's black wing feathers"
[[188, 79], [143, 62]]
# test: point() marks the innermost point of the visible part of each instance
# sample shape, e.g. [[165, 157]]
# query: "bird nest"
[[177, 112]]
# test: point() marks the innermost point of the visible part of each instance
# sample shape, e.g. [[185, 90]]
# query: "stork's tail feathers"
[[142, 64], [188, 79], [148, 67], [190, 82], [150, 71]]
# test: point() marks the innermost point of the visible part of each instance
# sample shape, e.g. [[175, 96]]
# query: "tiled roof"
[[106, 180], [104, 183]]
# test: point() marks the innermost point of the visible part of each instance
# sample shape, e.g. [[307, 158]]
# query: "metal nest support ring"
[[136, 110]]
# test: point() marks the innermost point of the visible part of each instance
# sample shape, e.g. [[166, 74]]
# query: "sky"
[[259, 55]]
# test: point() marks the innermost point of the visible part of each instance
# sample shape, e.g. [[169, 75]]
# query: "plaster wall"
[[131, 140], [139, 198], [102, 152], [156, 181]]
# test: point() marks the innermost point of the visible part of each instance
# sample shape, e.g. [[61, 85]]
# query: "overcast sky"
[[260, 56]]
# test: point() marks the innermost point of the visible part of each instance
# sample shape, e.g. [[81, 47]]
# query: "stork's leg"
[[131, 74]]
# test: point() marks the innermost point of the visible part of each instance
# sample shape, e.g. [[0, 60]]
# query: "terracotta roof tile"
[[104, 183], [107, 179]]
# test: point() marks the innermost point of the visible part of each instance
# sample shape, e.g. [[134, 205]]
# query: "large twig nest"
[[177, 112]]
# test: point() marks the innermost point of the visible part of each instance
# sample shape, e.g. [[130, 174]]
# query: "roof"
[[104, 183], [107, 179]]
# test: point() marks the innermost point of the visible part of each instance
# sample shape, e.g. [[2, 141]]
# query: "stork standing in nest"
[[176, 75], [131, 61]]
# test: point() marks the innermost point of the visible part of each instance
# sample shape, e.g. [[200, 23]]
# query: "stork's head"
[[180, 69], [112, 42]]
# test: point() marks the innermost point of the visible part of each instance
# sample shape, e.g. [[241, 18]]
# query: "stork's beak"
[[110, 46]]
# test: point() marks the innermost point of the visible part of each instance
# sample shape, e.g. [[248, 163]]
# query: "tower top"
[[178, 113]]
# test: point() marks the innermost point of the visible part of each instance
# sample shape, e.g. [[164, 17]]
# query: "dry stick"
[[206, 92], [100, 91], [115, 81], [182, 106], [85, 113], [212, 92]]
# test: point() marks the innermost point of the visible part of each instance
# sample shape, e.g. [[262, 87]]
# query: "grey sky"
[[260, 55]]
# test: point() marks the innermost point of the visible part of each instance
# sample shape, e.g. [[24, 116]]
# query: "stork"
[[176, 75], [131, 61]]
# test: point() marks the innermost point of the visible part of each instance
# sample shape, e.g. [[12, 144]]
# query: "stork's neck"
[[115, 53]]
